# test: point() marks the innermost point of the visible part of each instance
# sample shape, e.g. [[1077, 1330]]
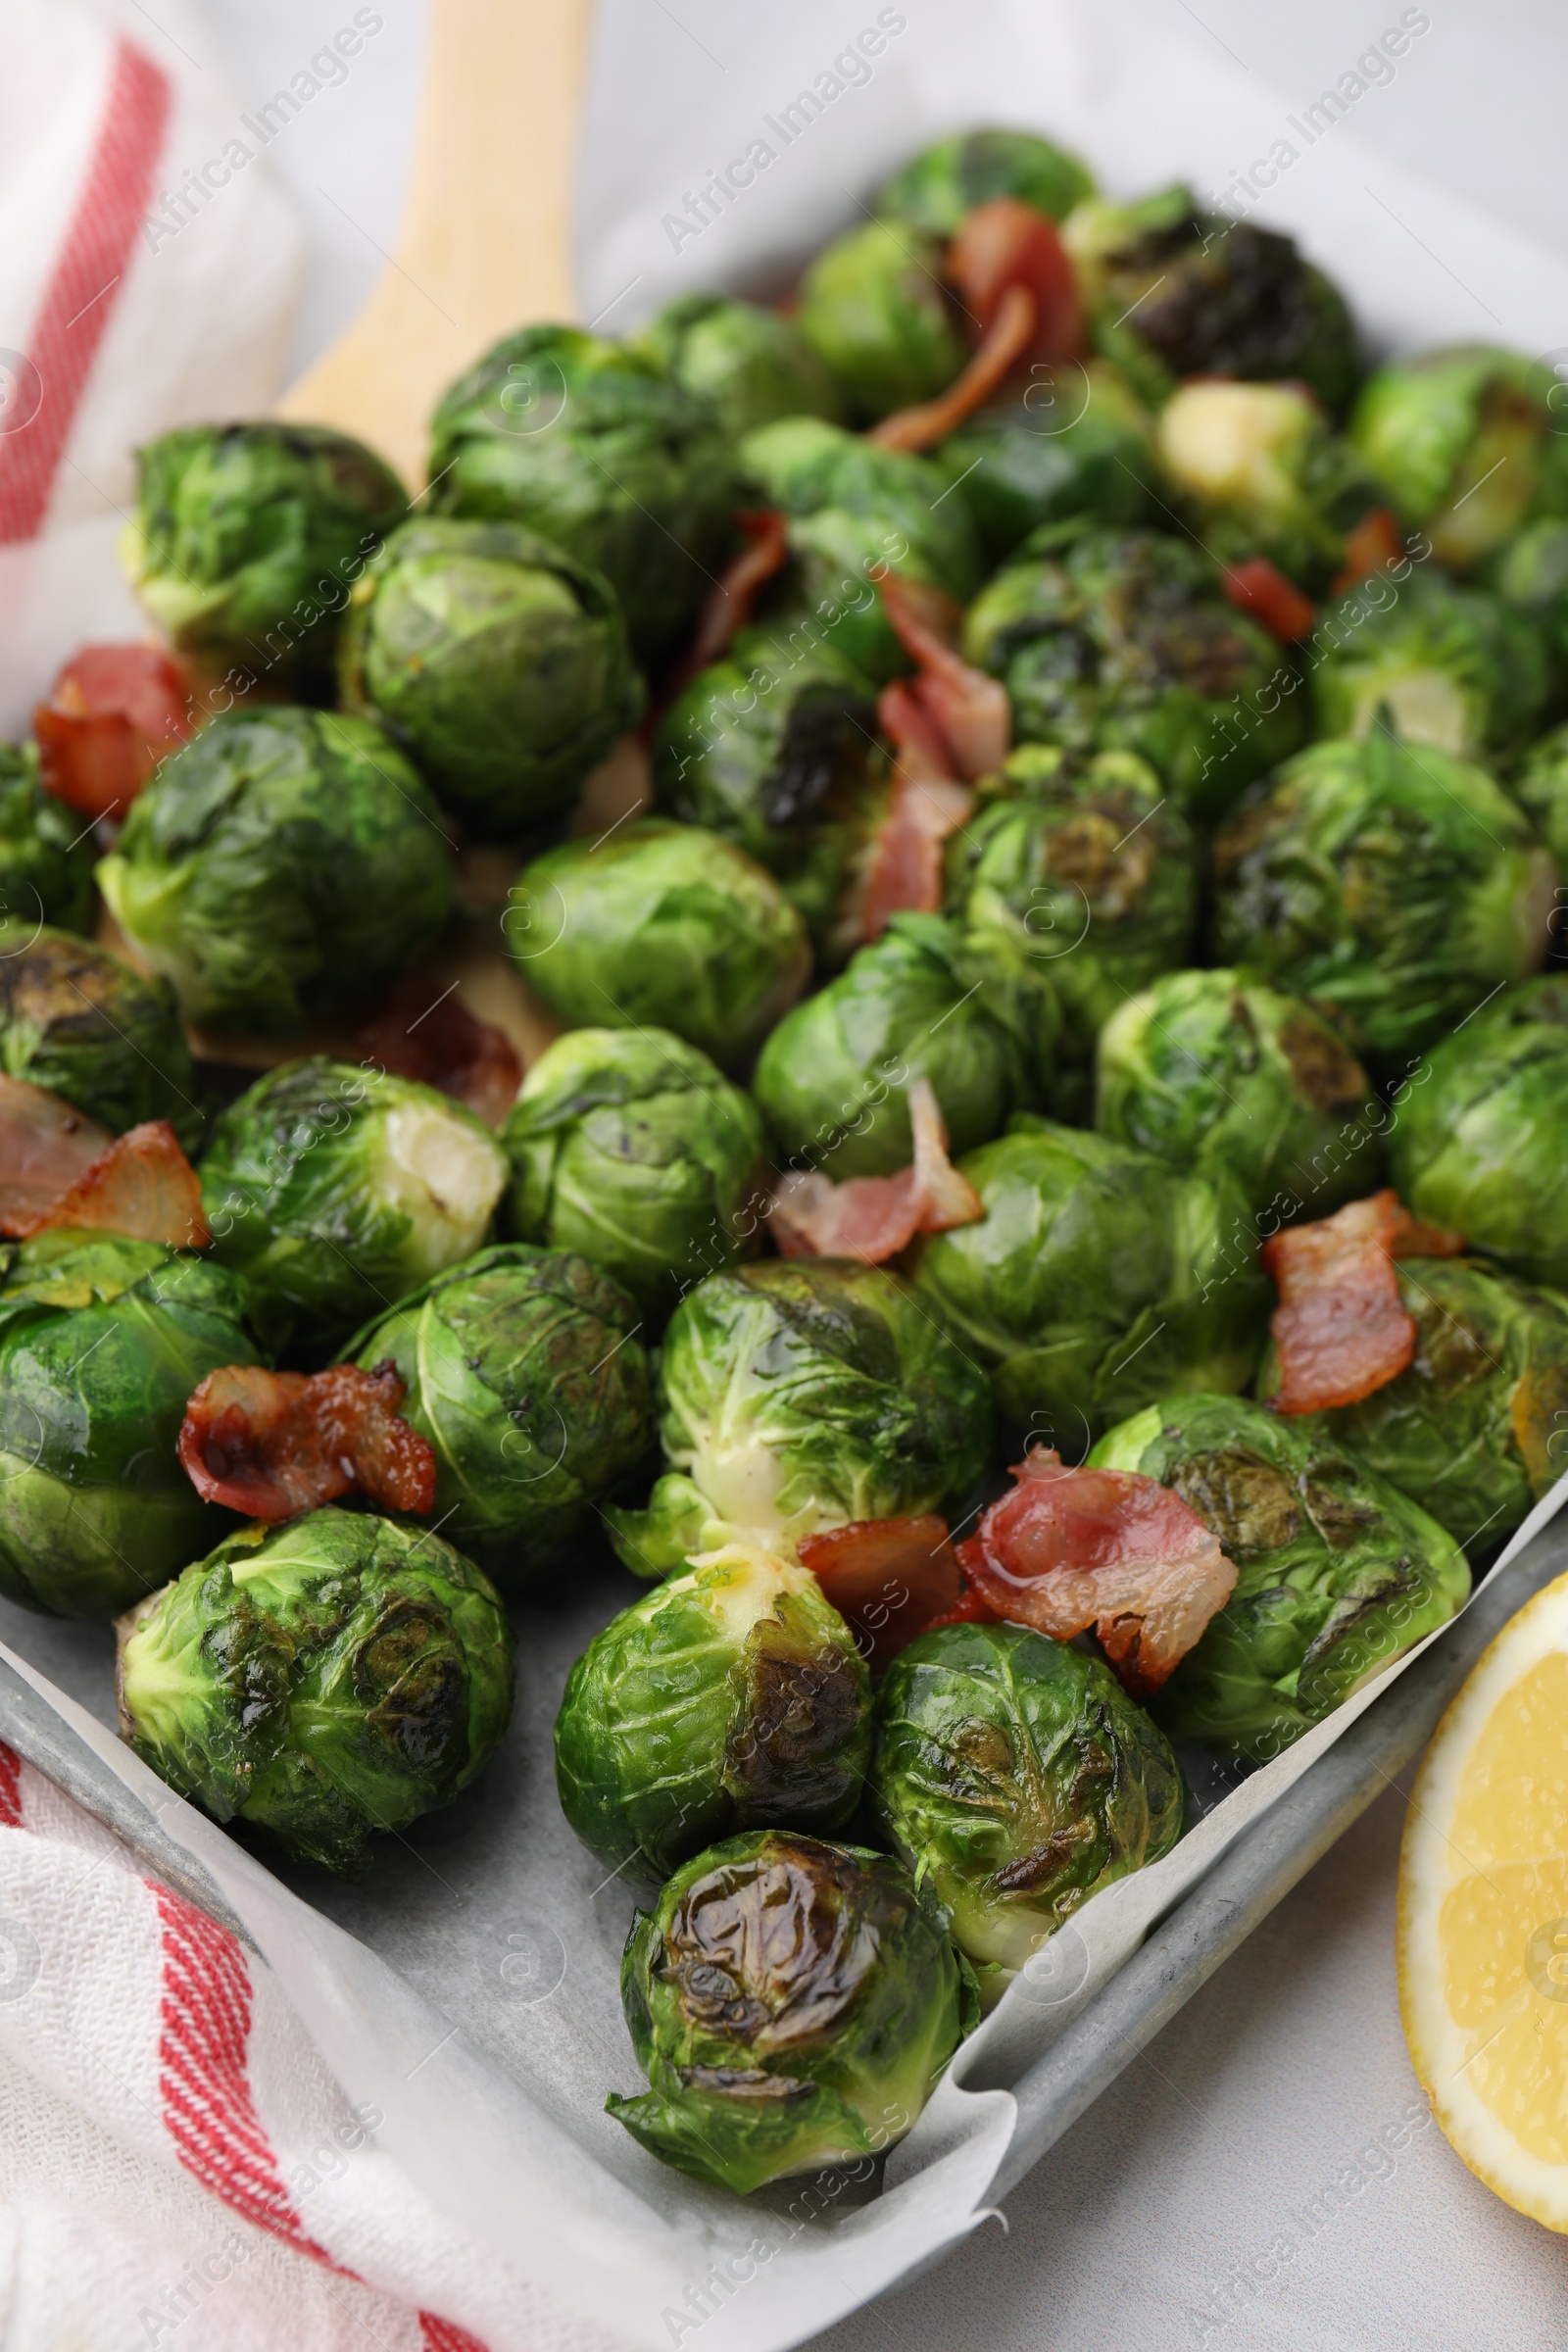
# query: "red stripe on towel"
[[10, 1788]]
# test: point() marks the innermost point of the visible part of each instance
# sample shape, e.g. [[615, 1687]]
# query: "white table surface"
[[1254, 2180]]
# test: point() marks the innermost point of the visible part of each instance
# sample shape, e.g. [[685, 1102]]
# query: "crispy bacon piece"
[[416, 1032], [1004, 345], [113, 713], [889, 1579], [1340, 1326], [1005, 245], [1260, 589], [273, 1443], [1372, 546], [874, 1217], [906, 868], [1109, 1549], [141, 1183], [970, 712], [730, 604], [45, 1146]]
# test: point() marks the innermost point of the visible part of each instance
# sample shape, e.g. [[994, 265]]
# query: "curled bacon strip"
[[889, 1579], [1374, 543], [1260, 589], [874, 1217], [969, 712], [113, 713], [45, 1146], [905, 868], [1340, 1326], [729, 604], [441, 1043], [273, 1443], [928, 421], [1109, 1549], [141, 1183], [1005, 245]]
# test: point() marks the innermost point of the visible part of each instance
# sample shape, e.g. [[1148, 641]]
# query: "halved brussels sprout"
[[248, 538], [1015, 1778], [968, 1012], [1337, 1572], [1124, 641], [1481, 1132], [283, 864], [875, 309], [632, 1146], [524, 1369], [335, 1191], [320, 1680], [801, 1394], [949, 179], [748, 363], [46, 853], [1262, 472], [1478, 1424], [591, 444], [1540, 787], [497, 662], [102, 1340], [1212, 1070], [81, 1023], [660, 926], [1462, 441], [1449, 665], [1095, 1274], [730, 1698], [1076, 442], [1392, 885], [792, 2004]]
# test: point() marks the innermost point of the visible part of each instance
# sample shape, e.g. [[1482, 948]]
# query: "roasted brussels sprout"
[[1085, 867], [594, 446], [1478, 1145], [1095, 1274], [663, 926], [1540, 787], [1463, 442], [972, 1014], [1124, 641], [46, 854], [497, 663], [1175, 292], [102, 1340], [792, 2004], [1392, 885], [335, 1191], [1015, 1778], [800, 1394], [1212, 1070], [1453, 666], [320, 1680], [1262, 472], [1529, 573], [81, 1023], [524, 1369], [748, 363], [730, 1698], [873, 307], [280, 866], [949, 179], [778, 750], [1478, 1424], [1337, 1573], [629, 1146], [248, 537], [1077, 442]]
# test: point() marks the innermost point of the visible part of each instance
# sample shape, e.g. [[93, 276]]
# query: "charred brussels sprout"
[[1095, 1274], [874, 309], [730, 1698], [969, 1012], [1337, 1573], [1077, 442], [1015, 1778], [337, 1675], [248, 537], [748, 363], [663, 926], [1540, 787], [778, 750], [102, 1340], [45, 857], [1174, 292], [949, 179], [280, 866], [1086, 868], [1125, 642], [1212, 1070], [591, 444], [1261, 474], [1479, 1143], [1391, 885], [335, 1191], [1478, 1423], [1453, 666], [78, 1021], [498, 664], [801, 1394], [792, 2004], [1463, 443], [524, 1370], [629, 1146]]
